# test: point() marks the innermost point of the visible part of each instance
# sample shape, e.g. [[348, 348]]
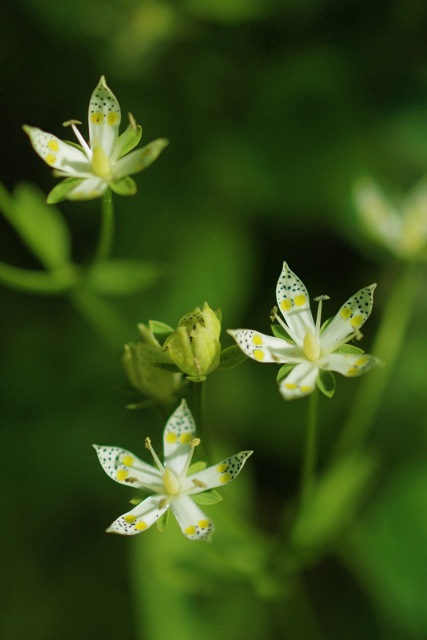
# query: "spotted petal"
[[300, 382], [58, 154], [140, 518], [104, 118], [219, 474], [263, 348], [352, 315], [194, 524], [349, 364], [125, 468], [294, 303], [178, 434]]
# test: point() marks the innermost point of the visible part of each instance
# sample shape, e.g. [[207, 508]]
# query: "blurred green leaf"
[[40, 226], [333, 503], [40, 282], [122, 277]]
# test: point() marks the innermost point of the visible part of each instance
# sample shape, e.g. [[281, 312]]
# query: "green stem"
[[310, 451], [387, 346], [106, 234]]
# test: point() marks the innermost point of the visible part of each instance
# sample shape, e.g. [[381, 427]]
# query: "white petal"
[[294, 303], [140, 518], [217, 475], [349, 364], [125, 468], [352, 315], [88, 189], [58, 154], [263, 348], [300, 382], [179, 432], [104, 118], [194, 524]]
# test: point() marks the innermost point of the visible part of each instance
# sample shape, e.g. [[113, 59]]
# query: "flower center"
[[311, 346], [170, 482], [100, 162]]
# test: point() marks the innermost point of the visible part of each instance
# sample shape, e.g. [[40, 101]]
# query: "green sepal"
[[325, 324], [196, 378], [62, 190], [231, 357], [326, 383], [42, 228], [137, 499], [349, 348], [284, 371], [160, 330], [122, 277], [279, 332], [200, 465], [207, 497], [75, 145], [124, 187], [128, 139], [163, 520]]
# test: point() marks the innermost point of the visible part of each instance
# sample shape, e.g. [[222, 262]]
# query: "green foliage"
[[119, 277]]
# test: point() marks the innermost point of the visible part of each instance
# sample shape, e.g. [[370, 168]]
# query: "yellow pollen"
[[128, 460], [257, 340], [185, 438], [50, 158], [97, 117], [100, 162], [171, 437], [221, 467], [285, 305], [170, 482], [122, 474], [190, 531], [311, 346], [345, 313], [226, 477], [129, 519], [204, 524], [141, 525], [53, 145], [112, 118], [357, 321], [258, 355], [300, 299]]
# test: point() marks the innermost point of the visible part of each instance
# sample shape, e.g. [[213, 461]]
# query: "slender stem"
[[106, 234], [310, 450], [387, 347]]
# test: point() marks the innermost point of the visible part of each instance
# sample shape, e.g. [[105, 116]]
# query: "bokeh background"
[[272, 108]]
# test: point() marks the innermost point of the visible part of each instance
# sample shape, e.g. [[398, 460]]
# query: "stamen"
[[275, 316], [154, 454], [193, 444], [319, 299], [84, 144]]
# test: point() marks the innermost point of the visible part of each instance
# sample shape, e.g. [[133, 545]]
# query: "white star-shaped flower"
[[305, 347], [90, 168], [169, 483]]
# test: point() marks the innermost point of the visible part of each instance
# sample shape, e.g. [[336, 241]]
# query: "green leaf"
[[196, 467], [231, 357], [41, 227], [349, 348], [160, 330], [163, 521], [61, 190], [283, 372], [334, 502], [326, 382], [122, 277], [124, 187], [207, 497]]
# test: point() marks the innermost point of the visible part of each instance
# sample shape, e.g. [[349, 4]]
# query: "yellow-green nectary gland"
[[100, 162], [170, 482], [311, 346]]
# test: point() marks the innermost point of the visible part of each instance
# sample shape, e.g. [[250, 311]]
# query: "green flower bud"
[[194, 347], [146, 366]]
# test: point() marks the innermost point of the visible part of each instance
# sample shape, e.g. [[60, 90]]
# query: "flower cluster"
[[172, 484]]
